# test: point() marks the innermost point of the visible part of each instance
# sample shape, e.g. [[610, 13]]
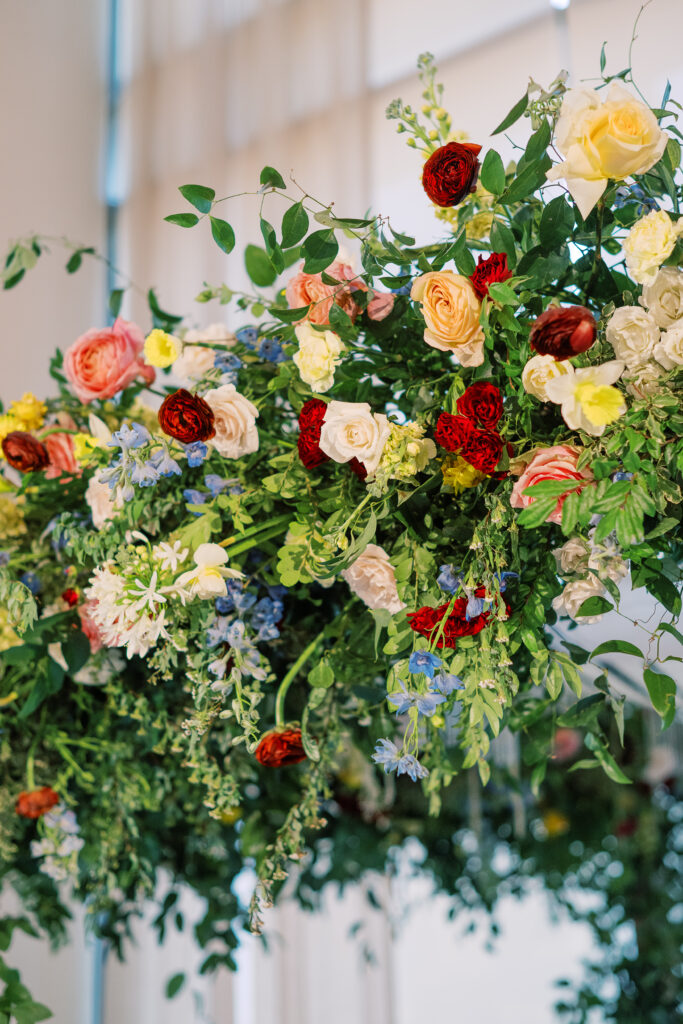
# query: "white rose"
[[573, 596], [669, 352], [572, 556], [371, 578], [99, 497], [650, 241], [350, 430], [537, 372], [317, 357], [645, 380], [193, 363], [633, 334], [214, 332], [663, 299], [235, 422]]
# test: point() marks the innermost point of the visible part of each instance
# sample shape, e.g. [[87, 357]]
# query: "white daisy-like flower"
[[207, 580], [170, 555]]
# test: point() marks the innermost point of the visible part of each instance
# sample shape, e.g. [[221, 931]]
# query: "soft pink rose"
[[309, 289], [556, 463], [102, 362], [89, 626], [60, 448], [380, 305], [566, 743]]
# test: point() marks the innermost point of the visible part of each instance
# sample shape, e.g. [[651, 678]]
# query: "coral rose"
[[102, 362], [371, 578], [24, 452], [310, 290], [187, 418], [563, 331], [280, 747], [451, 311], [491, 270], [556, 463], [36, 802], [451, 172], [380, 305]]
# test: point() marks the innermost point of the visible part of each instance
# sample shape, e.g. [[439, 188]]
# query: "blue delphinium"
[[30, 580], [388, 754], [635, 193], [426, 703], [226, 604], [265, 616], [4, 557], [128, 437], [248, 336], [193, 497], [475, 607], [446, 683], [618, 477], [271, 350], [163, 463], [217, 633], [449, 578], [229, 364], [196, 453], [503, 577], [424, 661], [144, 474]]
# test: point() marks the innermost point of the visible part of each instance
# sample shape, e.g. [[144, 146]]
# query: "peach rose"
[[371, 578], [380, 305], [89, 626], [102, 362], [556, 463], [451, 310], [310, 289], [60, 449]]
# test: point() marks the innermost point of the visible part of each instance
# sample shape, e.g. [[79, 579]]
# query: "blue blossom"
[[244, 601], [267, 613], [226, 604], [271, 349], [475, 607], [228, 363], [196, 453], [446, 683], [248, 336], [622, 476], [193, 497], [503, 577], [4, 557], [217, 633], [388, 754], [449, 578], [426, 703], [236, 636], [30, 580], [424, 661], [144, 474], [216, 483], [133, 436], [635, 193], [163, 463]]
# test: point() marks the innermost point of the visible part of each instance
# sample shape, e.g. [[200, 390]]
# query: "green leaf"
[[160, 318], [584, 712], [294, 225], [174, 985], [289, 316], [607, 762], [514, 115], [200, 196], [502, 240], [322, 675], [76, 259], [617, 647], [29, 1012], [526, 182], [260, 269], [557, 223], [551, 488], [270, 178], [319, 250], [341, 322], [115, 300], [662, 690], [76, 651], [594, 606], [223, 235], [554, 681], [537, 512], [492, 174], [183, 220]]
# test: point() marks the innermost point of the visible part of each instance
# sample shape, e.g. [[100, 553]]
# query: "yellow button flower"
[[29, 410], [161, 349]]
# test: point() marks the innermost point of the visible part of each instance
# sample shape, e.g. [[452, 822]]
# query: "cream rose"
[[351, 430], [317, 357], [573, 596], [633, 334], [603, 140], [99, 497], [645, 380], [371, 578], [196, 359], [537, 373], [663, 299], [235, 422], [572, 556], [451, 310], [669, 351], [650, 241]]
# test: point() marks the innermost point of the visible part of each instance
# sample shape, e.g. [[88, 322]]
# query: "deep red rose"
[[563, 331], [358, 468], [451, 173], [36, 802], [483, 403], [452, 432], [70, 596], [310, 424], [488, 271], [186, 417], [483, 449], [280, 747], [24, 452]]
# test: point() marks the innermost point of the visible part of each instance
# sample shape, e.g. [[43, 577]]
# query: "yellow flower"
[[161, 349], [8, 638], [11, 517], [458, 474], [407, 451], [85, 445], [650, 241], [8, 424], [479, 226], [29, 410], [588, 400], [556, 824], [230, 816]]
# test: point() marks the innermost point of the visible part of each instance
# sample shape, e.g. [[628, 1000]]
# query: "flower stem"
[[597, 256], [290, 676]]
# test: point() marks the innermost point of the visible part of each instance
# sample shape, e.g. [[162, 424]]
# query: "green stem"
[[290, 676], [597, 258], [254, 536], [30, 773]]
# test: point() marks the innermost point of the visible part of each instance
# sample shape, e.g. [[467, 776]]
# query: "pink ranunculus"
[[89, 626], [310, 289], [60, 448], [102, 362], [566, 743], [380, 305], [556, 463]]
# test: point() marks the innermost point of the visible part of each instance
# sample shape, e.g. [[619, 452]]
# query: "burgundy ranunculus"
[[563, 331], [358, 468], [482, 403], [280, 747], [187, 418], [483, 449], [452, 432], [37, 802], [24, 452], [451, 173], [491, 270], [310, 424]]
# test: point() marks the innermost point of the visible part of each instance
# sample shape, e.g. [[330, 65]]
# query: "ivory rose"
[[633, 334], [234, 421], [317, 356], [555, 463], [573, 555], [100, 500], [451, 311], [669, 351], [603, 140], [371, 578], [192, 363], [650, 241], [663, 299], [102, 362], [351, 430], [573, 596], [310, 290], [538, 371], [60, 450]]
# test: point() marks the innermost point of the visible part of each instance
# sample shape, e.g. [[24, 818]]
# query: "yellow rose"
[[317, 357], [451, 310], [650, 241], [161, 349], [603, 140], [538, 371], [29, 410]]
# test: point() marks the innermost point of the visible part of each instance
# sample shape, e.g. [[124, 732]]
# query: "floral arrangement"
[[343, 533]]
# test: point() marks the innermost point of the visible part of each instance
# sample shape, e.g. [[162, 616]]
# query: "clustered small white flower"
[[60, 845]]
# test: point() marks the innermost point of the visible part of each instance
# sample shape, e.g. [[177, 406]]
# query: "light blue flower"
[[226, 604], [426, 703], [449, 578], [271, 349], [217, 633], [618, 477], [133, 436], [193, 497], [163, 463], [244, 601], [216, 483], [248, 336], [196, 453], [388, 754], [4, 557], [144, 474], [446, 683], [475, 607], [503, 577], [424, 661]]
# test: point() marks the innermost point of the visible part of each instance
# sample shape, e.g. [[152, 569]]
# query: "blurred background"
[[108, 106]]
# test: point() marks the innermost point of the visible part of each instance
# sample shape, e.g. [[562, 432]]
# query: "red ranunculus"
[[280, 747], [451, 173], [483, 403], [483, 449], [452, 432], [488, 271], [310, 424], [425, 620], [37, 802], [70, 596], [186, 417], [563, 331], [24, 452]]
